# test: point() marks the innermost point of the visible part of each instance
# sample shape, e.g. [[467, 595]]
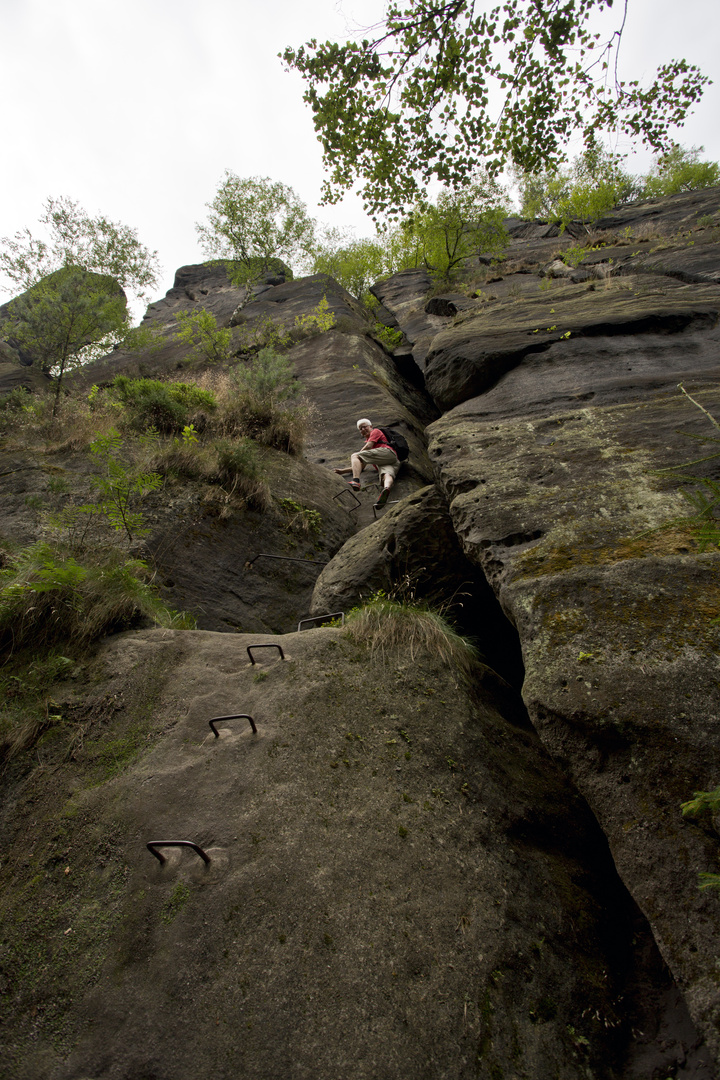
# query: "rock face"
[[409, 876], [410, 884], [551, 460]]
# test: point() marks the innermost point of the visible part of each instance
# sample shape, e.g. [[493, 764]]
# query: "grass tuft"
[[395, 628]]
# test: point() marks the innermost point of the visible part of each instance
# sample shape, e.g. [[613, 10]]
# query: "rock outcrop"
[[410, 876], [401, 883]]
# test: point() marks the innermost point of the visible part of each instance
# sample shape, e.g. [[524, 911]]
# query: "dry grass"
[[48, 598], [72, 429], [393, 629]]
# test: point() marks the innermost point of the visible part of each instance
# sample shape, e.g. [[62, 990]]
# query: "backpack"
[[398, 443]]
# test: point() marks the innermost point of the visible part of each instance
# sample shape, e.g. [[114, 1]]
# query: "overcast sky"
[[135, 108]]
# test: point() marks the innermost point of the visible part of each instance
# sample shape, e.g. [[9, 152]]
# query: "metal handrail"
[[175, 843], [284, 558], [270, 645], [319, 618], [235, 716], [349, 491]]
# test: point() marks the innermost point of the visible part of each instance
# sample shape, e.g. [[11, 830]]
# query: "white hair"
[[361, 422]]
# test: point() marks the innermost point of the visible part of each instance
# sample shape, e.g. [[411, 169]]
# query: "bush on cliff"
[[164, 406], [680, 170], [240, 468], [261, 399], [393, 628]]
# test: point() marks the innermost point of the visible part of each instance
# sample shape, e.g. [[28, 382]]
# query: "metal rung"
[[271, 645], [284, 558], [175, 843], [390, 502], [319, 618], [235, 716], [348, 491]]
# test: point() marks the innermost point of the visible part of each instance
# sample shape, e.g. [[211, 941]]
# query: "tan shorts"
[[384, 458]]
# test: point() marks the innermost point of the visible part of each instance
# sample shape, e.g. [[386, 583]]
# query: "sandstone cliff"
[[409, 876]]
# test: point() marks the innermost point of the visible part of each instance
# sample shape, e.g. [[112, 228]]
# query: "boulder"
[[609, 343], [564, 512], [412, 552], [400, 882]]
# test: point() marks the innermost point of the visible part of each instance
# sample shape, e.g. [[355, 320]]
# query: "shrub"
[[317, 321], [200, 332], [389, 336], [18, 398], [262, 402], [239, 467], [300, 519], [392, 628], [680, 170], [162, 406], [48, 598]]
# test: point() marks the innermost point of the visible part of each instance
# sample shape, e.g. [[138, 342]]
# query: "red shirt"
[[377, 439]]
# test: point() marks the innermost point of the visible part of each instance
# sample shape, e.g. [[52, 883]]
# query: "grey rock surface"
[[400, 882], [410, 879]]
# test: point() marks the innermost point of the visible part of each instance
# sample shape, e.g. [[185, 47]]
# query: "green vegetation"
[[356, 264], [264, 402], [59, 319], [410, 103], [200, 332], [253, 221], [73, 306], [161, 406], [300, 519], [443, 234], [594, 183], [119, 489], [48, 597], [73, 239], [239, 466], [268, 333], [387, 335], [439, 235], [392, 628], [597, 181], [175, 902], [50, 600], [704, 804], [680, 170], [317, 321]]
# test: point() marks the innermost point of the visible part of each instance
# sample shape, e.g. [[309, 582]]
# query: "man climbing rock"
[[377, 452]]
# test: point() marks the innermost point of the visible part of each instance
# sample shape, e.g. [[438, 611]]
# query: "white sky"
[[135, 108]]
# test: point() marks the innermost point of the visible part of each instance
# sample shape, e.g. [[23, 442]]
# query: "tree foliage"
[[73, 280], [252, 221], [441, 88], [680, 169], [200, 332], [74, 239], [443, 234], [594, 183], [354, 264], [65, 314], [597, 181], [438, 235]]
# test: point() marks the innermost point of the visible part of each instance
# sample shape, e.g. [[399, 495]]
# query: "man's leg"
[[388, 479], [357, 465]]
